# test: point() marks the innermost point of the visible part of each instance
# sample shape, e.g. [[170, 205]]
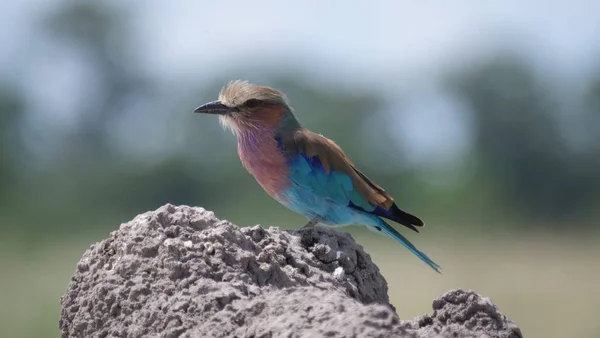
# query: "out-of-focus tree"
[[518, 141], [591, 126], [592, 114], [11, 114], [98, 34]]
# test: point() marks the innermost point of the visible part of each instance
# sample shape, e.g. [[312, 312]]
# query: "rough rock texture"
[[180, 272], [465, 314]]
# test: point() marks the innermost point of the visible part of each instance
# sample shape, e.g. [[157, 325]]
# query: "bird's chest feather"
[[261, 157]]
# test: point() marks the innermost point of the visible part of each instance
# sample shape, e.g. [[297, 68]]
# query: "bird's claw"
[[312, 222]]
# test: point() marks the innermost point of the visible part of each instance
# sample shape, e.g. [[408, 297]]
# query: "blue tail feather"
[[390, 231]]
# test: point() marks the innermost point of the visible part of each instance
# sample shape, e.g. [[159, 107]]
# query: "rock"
[[457, 313], [180, 272]]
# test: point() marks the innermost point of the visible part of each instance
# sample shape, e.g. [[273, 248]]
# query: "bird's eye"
[[252, 103]]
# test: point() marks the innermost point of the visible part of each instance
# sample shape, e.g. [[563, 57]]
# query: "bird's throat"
[[262, 158]]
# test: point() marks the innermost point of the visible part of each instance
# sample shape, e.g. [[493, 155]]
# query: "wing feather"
[[341, 178], [333, 159]]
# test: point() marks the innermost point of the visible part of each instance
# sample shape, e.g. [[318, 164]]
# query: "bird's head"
[[244, 107]]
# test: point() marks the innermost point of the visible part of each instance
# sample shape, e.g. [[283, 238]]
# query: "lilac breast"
[[261, 157]]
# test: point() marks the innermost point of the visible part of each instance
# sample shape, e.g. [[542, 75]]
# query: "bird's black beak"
[[214, 107]]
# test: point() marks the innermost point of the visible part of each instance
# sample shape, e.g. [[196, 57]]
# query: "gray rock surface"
[[180, 272]]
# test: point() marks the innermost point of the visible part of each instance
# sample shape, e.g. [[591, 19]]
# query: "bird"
[[305, 171]]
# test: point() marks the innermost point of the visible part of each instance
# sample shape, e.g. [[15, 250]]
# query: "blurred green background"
[[483, 120]]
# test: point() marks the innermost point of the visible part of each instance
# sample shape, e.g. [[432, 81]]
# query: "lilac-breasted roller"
[[305, 171]]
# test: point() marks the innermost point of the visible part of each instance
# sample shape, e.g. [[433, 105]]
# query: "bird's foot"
[[312, 222]]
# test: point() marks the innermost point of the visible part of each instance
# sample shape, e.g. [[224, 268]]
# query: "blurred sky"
[[381, 45], [199, 34], [399, 35]]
